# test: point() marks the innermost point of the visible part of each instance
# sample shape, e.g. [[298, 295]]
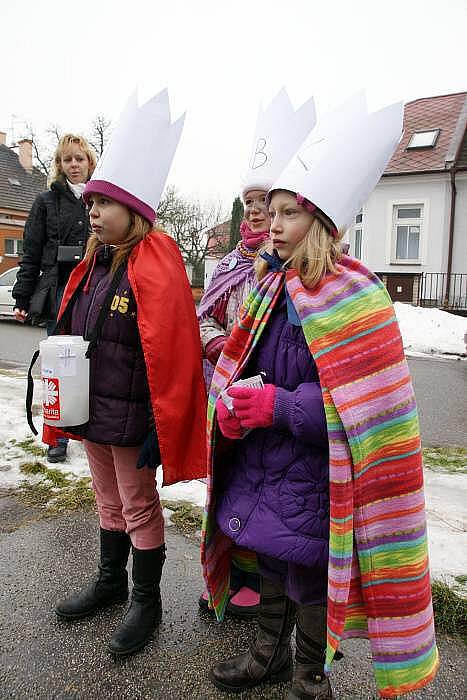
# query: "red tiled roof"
[[218, 236], [443, 112], [18, 196]]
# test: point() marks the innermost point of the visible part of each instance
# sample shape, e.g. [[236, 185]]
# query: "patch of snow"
[[446, 494], [430, 331]]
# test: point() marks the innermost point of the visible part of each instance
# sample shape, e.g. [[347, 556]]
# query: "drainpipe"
[[452, 217]]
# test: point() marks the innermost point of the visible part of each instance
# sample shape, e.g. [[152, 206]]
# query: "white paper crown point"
[[343, 158], [280, 129], [141, 149]]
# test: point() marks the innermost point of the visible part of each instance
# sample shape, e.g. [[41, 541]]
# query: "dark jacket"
[[118, 389], [57, 218], [275, 489]]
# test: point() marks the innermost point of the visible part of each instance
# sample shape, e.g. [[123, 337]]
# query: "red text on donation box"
[[51, 398]]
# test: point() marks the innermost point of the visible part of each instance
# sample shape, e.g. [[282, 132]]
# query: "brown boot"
[[270, 655], [309, 680]]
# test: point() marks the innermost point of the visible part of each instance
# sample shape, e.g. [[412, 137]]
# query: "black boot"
[[309, 680], [270, 655], [57, 453], [145, 611], [111, 584]]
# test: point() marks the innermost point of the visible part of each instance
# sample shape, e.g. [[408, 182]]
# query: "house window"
[[358, 235], [407, 230], [358, 243], [424, 139], [13, 246]]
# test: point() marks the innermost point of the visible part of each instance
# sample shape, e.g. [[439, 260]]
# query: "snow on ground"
[[446, 494], [430, 331]]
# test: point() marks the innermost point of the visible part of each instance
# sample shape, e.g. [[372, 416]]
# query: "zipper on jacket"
[[94, 294]]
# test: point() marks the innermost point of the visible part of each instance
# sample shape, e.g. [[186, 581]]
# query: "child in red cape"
[[147, 395]]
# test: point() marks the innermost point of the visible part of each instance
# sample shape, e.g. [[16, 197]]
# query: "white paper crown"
[[341, 161], [138, 157], [279, 132]]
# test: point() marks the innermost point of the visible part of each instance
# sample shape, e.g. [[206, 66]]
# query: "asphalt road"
[[46, 659], [440, 384]]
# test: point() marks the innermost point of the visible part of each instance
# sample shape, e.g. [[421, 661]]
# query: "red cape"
[[171, 344]]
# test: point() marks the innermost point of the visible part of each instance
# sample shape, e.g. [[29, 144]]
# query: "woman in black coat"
[[55, 237]]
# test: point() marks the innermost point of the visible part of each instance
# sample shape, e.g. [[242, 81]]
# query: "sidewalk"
[[45, 659]]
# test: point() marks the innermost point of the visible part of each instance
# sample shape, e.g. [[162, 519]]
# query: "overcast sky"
[[64, 62]]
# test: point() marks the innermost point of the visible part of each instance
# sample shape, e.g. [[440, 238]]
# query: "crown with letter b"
[[280, 129]]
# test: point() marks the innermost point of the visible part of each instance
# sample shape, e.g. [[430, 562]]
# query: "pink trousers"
[[127, 498]]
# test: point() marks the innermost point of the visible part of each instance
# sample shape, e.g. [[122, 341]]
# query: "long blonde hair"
[[65, 142], [315, 255], [138, 229]]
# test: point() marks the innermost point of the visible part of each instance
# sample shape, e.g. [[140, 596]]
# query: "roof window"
[[424, 139]]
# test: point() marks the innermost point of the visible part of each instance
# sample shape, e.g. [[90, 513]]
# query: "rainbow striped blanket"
[[378, 574]]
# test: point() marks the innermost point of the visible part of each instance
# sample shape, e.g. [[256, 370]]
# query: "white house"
[[413, 230]]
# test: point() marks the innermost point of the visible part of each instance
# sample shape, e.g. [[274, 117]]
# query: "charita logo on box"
[[51, 398]]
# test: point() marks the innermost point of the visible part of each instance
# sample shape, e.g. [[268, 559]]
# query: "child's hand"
[[254, 408], [229, 424], [214, 348]]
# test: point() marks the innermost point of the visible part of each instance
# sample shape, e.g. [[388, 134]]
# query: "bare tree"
[[101, 128], [189, 223], [43, 147]]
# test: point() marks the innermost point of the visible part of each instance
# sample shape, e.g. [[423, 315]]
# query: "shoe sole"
[[281, 677], [128, 652], [293, 696], [89, 613], [133, 649], [242, 612]]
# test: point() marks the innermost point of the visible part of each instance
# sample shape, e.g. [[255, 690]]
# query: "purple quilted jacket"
[[119, 394], [273, 495]]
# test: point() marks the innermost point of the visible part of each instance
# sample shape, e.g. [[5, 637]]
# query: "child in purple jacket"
[[274, 471]]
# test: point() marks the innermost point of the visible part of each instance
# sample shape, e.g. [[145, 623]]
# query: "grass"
[[450, 609], [56, 492], [30, 447], [186, 517], [452, 460]]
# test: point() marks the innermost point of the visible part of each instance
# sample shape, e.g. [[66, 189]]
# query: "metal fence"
[[438, 289]]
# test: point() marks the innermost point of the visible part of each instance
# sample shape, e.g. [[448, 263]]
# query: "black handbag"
[[41, 304], [70, 253]]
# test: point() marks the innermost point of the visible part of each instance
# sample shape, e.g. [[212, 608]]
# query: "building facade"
[[413, 229], [20, 183]]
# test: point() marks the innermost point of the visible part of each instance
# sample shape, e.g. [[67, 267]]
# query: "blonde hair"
[[315, 255], [65, 142], [138, 229]]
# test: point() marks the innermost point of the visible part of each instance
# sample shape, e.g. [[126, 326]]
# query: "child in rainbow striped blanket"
[[234, 278], [327, 486]]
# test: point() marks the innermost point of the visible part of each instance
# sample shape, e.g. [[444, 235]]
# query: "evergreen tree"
[[236, 220]]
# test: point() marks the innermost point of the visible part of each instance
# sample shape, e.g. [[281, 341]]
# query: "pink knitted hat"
[[119, 195]]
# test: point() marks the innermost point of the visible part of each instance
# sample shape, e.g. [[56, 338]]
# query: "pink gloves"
[[253, 408], [229, 424], [214, 348]]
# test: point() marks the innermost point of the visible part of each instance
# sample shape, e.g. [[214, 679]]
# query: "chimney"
[[25, 154], [2, 138]]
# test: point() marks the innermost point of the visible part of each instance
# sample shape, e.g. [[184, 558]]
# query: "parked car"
[[7, 280]]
